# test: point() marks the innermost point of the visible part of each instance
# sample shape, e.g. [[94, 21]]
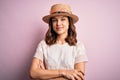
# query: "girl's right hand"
[[72, 74]]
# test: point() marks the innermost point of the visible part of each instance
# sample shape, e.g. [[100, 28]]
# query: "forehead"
[[59, 16]]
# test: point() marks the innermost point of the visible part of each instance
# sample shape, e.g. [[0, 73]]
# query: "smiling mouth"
[[59, 28]]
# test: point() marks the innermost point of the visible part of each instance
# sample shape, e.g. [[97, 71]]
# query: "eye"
[[54, 20], [63, 19]]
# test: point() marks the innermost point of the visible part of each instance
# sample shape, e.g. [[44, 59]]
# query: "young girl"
[[59, 56]]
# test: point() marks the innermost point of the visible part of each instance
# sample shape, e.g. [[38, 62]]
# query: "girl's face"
[[60, 24]]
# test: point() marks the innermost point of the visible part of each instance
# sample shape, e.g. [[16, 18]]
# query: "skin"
[[60, 26], [38, 71]]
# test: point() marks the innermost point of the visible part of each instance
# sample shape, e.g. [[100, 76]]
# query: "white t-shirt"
[[60, 56]]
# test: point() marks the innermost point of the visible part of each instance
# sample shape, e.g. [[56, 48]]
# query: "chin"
[[59, 33]]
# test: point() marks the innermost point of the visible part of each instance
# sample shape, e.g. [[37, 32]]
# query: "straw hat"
[[60, 9]]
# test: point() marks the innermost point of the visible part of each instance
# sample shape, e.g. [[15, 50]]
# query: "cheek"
[[66, 26], [53, 25], [54, 28]]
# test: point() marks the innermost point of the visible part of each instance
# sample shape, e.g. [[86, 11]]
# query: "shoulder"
[[80, 45], [42, 43]]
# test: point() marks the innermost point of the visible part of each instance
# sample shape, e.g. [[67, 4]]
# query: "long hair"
[[51, 35]]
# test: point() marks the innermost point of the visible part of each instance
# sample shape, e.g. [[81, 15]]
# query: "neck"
[[61, 39]]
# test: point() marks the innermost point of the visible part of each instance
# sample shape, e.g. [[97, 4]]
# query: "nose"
[[59, 22]]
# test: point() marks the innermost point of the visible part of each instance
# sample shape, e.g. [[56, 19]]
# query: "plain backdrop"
[[22, 28]]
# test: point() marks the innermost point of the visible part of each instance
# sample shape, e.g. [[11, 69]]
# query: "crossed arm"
[[38, 71]]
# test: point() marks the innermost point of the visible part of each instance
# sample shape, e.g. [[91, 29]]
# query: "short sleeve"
[[81, 55], [39, 51]]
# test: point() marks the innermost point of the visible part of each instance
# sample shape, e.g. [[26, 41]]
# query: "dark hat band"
[[58, 12]]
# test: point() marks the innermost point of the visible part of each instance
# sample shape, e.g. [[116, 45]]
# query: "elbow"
[[32, 74]]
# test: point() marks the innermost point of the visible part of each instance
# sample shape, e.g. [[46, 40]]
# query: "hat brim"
[[47, 18]]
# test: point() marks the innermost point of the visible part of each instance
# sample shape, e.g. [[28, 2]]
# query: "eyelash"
[[62, 19], [53, 20]]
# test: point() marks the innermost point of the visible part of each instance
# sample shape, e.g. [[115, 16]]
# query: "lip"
[[59, 28]]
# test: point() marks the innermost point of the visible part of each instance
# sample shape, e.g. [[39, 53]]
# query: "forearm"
[[52, 74], [55, 74], [80, 67], [38, 71], [44, 74]]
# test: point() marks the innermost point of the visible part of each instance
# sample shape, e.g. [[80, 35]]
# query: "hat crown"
[[60, 8]]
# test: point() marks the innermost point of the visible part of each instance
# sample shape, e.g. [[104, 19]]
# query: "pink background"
[[21, 29]]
